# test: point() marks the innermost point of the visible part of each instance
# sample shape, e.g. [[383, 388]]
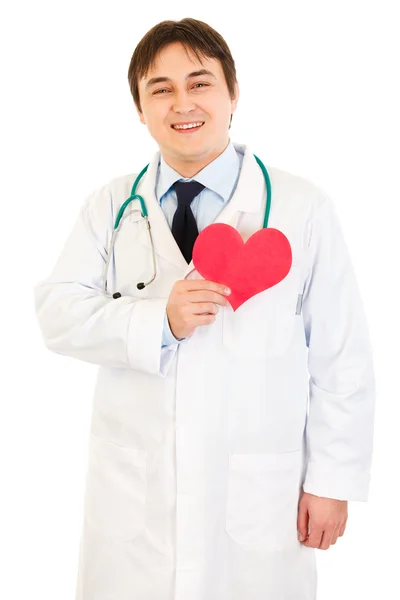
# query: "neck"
[[189, 168]]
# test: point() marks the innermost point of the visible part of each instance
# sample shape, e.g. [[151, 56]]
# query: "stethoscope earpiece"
[[139, 286]]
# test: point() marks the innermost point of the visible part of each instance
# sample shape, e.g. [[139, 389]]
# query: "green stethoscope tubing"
[[135, 196]]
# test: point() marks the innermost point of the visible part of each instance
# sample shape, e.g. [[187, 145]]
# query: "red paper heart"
[[220, 255]]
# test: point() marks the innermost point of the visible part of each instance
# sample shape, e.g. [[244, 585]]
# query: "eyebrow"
[[154, 80]]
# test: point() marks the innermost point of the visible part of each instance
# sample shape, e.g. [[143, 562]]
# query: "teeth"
[[188, 126]]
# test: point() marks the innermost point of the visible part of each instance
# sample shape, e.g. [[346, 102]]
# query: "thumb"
[[302, 521]]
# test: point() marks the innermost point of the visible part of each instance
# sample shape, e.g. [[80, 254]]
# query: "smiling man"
[[225, 444]]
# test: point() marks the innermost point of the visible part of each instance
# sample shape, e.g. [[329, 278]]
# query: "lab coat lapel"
[[249, 197]]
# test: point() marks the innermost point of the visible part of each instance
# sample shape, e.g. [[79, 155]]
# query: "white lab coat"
[[198, 452]]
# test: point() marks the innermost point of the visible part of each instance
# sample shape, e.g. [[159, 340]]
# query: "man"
[[210, 477]]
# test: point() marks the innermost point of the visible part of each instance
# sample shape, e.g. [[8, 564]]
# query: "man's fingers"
[[327, 520], [335, 535], [315, 538], [326, 539], [342, 528], [322, 539], [206, 296], [202, 284], [201, 308], [302, 521]]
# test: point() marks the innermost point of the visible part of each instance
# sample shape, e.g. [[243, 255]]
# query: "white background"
[[319, 85]]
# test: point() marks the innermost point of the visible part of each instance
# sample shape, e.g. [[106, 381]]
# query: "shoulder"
[[119, 188], [297, 192], [105, 201], [122, 184]]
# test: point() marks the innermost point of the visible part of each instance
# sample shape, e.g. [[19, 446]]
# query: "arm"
[[75, 317], [341, 388]]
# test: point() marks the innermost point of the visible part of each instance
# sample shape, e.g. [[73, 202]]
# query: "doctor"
[[224, 445]]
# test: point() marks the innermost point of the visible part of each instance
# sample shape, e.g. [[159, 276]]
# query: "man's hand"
[[320, 521], [193, 302]]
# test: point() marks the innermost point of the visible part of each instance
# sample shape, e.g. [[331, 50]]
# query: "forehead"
[[174, 60]]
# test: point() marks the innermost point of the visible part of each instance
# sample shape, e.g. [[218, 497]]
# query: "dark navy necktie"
[[184, 228]]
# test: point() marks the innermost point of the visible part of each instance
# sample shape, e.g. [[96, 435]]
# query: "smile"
[[188, 127]]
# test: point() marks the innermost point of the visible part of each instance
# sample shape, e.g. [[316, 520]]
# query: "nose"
[[182, 102]]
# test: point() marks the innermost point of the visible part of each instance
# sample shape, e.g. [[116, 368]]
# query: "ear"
[[236, 98], [141, 116]]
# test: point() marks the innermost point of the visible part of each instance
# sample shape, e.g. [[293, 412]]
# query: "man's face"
[[181, 97]]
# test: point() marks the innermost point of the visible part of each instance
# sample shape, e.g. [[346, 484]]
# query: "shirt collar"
[[220, 175]]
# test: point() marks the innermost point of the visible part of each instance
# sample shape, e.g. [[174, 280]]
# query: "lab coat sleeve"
[[78, 320], [339, 429]]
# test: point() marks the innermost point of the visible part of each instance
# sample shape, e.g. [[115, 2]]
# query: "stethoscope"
[[134, 196]]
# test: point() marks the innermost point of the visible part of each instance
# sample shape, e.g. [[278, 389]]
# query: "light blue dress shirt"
[[219, 178]]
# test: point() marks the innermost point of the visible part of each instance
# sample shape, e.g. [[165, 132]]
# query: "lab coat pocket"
[[262, 500], [263, 326], [115, 498]]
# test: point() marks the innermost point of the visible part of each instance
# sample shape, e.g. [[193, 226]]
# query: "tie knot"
[[186, 191]]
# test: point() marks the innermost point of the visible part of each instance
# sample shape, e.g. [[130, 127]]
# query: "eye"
[[165, 89]]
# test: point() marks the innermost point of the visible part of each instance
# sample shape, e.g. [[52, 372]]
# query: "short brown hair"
[[194, 35]]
